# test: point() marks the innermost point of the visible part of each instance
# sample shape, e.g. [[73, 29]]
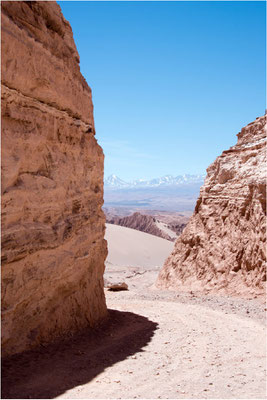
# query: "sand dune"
[[129, 247]]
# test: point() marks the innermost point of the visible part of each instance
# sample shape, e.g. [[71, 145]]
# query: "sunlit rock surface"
[[223, 246], [53, 246]]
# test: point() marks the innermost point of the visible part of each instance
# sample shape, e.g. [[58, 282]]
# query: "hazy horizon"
[[172, 82]]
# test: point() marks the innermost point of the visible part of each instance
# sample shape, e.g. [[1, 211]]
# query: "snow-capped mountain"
[[114, 181]]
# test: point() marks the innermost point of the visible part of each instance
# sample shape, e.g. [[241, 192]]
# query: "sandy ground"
[[129, 247], [154, 344]]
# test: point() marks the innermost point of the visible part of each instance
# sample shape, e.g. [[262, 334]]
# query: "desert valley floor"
[[154, 344]]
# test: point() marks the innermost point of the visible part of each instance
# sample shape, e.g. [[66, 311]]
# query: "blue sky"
[[172, 82]]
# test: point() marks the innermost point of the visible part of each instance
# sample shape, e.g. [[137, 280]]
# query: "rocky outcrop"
[[223, 245], [53, 246], [177, 227], [140, 222]]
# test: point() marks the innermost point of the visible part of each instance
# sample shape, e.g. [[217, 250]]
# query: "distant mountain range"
[[114, 182]]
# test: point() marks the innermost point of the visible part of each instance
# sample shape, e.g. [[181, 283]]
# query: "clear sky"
[[172, 82]]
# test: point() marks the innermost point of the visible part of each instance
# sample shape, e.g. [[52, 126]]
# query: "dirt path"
[[154, 345], [194, 353]]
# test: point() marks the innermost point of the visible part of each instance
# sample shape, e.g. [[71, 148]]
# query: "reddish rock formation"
[[223, 245], [53, 246], [140, 222]]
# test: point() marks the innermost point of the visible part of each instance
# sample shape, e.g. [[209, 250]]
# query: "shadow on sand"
[[51, 370]]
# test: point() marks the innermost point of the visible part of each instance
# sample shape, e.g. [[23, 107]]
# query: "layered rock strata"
[[53, 247], [223, 246]]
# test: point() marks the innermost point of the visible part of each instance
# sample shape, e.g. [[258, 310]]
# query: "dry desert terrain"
[[154, 344]]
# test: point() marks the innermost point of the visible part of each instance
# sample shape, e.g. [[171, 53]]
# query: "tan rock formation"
[[223, 245], [53, 246]]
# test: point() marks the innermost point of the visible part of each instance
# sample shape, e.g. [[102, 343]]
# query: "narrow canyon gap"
[[53, 247]]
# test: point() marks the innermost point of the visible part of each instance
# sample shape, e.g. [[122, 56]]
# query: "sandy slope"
[[155, 344], [130, 247], [162, 226]]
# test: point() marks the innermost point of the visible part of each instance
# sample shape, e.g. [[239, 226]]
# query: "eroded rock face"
[[53, 246], [223, 245]]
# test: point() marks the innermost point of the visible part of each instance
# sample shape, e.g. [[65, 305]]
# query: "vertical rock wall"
[[224, 243], [53, 246]]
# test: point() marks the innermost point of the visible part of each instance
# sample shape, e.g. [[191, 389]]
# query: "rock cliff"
[[223, 245], [53, 247]]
